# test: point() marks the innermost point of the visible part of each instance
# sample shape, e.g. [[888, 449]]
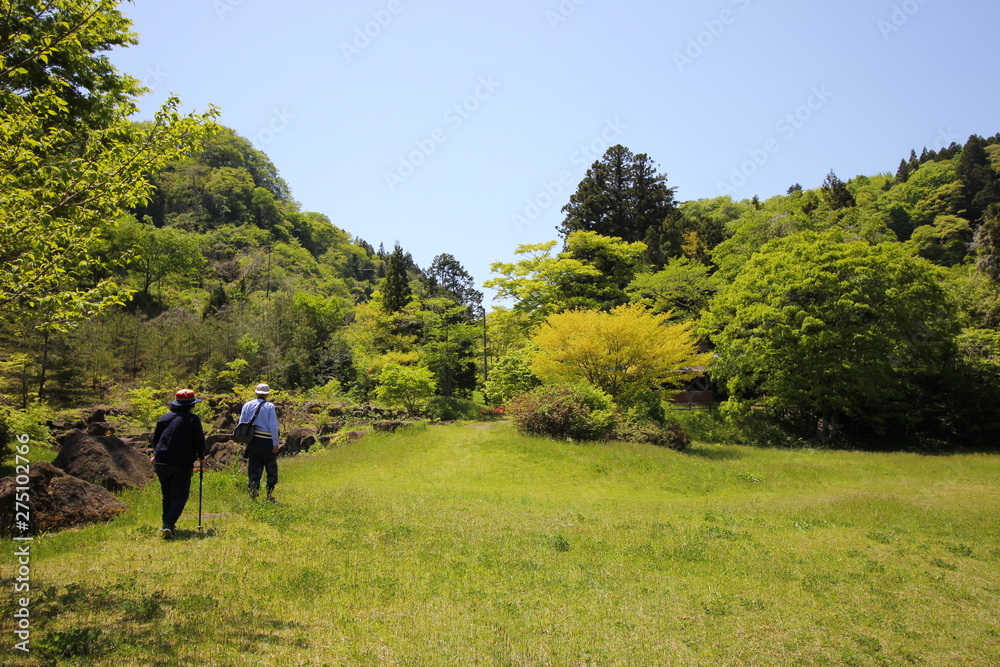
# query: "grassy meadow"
[[473, 545]]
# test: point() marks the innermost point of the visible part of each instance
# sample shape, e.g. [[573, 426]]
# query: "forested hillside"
[[146, 256], [230, 282]]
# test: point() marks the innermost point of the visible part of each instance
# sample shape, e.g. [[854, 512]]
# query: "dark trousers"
[[175, 486], [261, 458]]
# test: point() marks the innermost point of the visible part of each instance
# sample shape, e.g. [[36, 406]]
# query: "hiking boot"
[[270, 497], [166, 533], [254, 493]]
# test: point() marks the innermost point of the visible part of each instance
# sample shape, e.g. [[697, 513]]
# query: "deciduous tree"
[[71, 158], [816, 328], [623, 352]]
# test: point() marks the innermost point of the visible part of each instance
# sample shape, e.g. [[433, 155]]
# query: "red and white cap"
[[184, 397]]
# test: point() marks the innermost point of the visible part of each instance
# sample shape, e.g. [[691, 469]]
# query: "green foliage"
[[146, 404], [591, 273], [708, 426], [444, 408], [670, 434], [72, 159], [31, 421], [407, 387], [449, 278], [450, 345], [396, 291], [621, 196], [777, 218], [836, 193], [818, 329], [987, 244], [331, 391], [977, 420], [509, 376], [564, 411], [946, 242], [156, 255], [237, 373], [683, 287]]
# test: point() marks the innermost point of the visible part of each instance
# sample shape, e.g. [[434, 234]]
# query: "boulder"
[[104, 460], [299, 439], [329, 429], [390, 426], [225, 422], [56, 500], [101, 414], [100, 429], [222, 453], [63, 426]]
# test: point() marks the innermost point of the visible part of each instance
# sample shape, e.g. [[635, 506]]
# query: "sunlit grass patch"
[[452, 545]]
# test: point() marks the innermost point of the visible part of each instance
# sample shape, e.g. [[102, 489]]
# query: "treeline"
[[863, 312]]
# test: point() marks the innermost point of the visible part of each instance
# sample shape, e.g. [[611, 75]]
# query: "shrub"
[[759, 428], [646, 406], [580, 412], [146, 404], [331, 391], [30, 422], [670, 434], [510, 376], [706, 426], [449, 409], [489, 413], [407, 387]]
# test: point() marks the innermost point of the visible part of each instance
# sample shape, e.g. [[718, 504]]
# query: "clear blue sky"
[[449, 125]]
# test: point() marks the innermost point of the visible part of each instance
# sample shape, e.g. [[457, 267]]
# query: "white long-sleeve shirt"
[[266, 424]]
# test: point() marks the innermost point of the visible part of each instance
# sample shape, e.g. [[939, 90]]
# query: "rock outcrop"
[[56, 500], [299, 439], [104, 460]]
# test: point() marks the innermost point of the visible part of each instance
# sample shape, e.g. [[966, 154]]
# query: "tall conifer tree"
[[396, 289]]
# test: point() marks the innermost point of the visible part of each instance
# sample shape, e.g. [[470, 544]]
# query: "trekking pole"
[[201, 479]]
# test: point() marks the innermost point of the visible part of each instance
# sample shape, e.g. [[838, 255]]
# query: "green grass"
[[458, 545]]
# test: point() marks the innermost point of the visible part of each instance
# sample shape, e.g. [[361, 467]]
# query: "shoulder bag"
[[243, 433]]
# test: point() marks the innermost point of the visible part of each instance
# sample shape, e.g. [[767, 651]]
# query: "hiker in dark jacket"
[[177, 441]]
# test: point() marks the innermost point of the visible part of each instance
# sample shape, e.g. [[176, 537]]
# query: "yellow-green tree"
[[624, 352], [592, 273]]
